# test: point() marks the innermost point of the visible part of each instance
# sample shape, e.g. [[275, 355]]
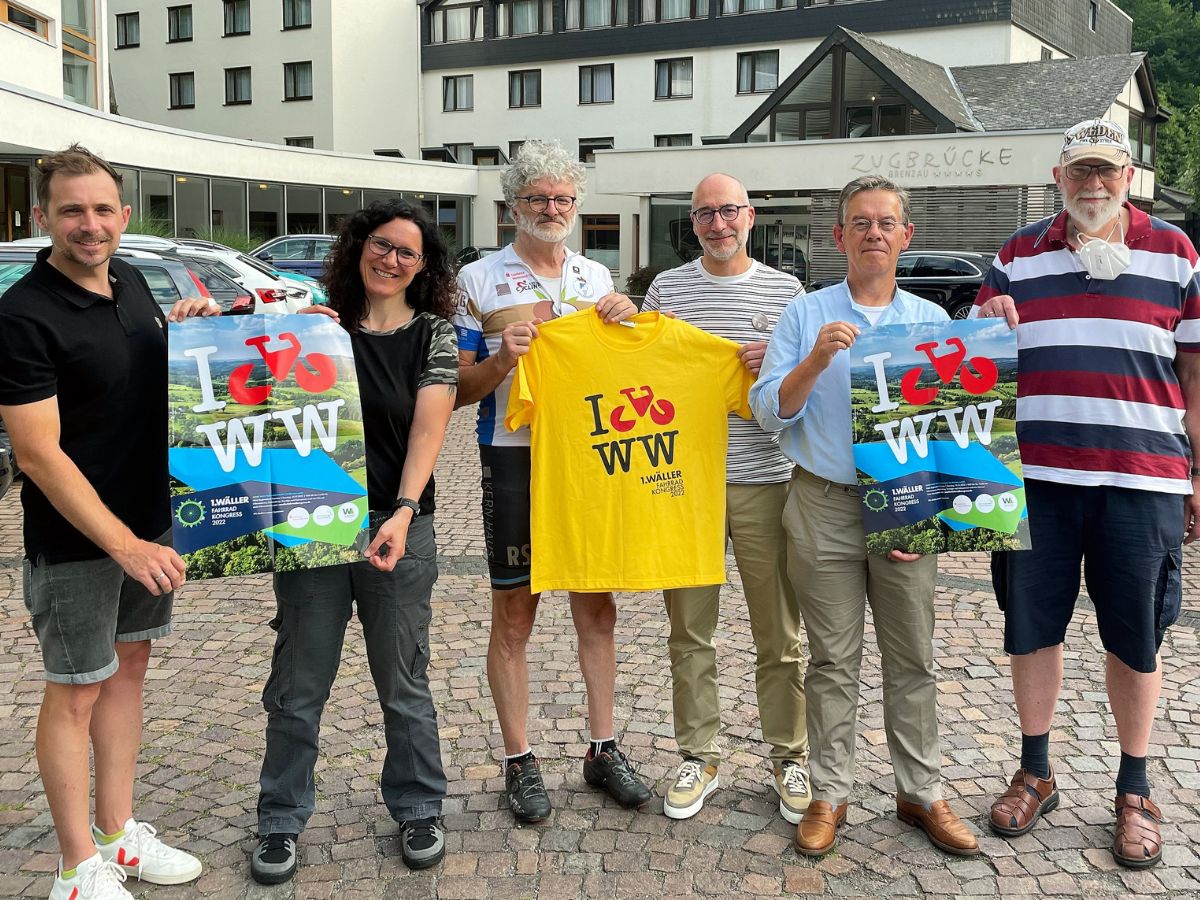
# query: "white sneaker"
[[94, 879], [140, 854], [693, 783]]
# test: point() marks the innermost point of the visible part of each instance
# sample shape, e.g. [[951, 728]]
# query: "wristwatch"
[[402, 502]]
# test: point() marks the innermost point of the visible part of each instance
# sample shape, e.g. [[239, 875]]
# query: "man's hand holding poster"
[[268, 468], [934, 409]]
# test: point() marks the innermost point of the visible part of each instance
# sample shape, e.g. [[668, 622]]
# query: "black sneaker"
[[274, 859], [422, 843], [525, 791], [610, 770]]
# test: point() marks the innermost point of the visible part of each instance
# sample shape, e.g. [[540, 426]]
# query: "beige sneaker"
[[791, 784], [693, 782]]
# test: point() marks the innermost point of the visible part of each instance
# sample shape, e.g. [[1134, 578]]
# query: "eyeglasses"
[[862, 226], [1083, 171], [538, 203], [404, 256], [729, 212]]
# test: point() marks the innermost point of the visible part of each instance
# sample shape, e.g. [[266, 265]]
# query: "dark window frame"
[[229, 13], [476, 17], [697, 9], [122, 30], [498, 15], [289, 81], [669, 95], [175, 92], [296, 141], [753, 88], [174, 18], [231, 80], [775, 6], [669, 140], [522, 76], [447, 80], [295, 6], [618, 9], [589, 146], [612, 84]]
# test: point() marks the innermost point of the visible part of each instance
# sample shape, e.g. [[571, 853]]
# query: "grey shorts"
[[81, 609]]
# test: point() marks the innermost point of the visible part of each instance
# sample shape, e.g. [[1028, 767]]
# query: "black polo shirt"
[[106, 362]]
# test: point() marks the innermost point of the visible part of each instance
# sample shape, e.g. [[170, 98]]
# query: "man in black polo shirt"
[[83, 377]]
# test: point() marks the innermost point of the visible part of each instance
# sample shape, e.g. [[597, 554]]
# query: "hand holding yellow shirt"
[[628, 433]]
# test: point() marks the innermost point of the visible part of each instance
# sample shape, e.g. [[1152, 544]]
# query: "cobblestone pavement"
[[204, 733]]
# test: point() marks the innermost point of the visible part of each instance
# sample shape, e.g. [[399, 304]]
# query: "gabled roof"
[[1051, 93]]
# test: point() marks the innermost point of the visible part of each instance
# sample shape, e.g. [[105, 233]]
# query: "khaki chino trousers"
[[835, 578], [753, 522]]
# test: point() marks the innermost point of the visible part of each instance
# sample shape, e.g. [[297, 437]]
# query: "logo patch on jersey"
[[502, 290]]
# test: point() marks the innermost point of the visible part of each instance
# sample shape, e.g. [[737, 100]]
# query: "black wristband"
[[402, 502]]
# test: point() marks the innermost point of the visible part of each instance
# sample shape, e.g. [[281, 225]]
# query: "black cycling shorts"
[[505, 484]]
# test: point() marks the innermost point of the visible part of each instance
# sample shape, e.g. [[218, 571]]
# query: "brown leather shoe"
[[1027, 798], [1137, 843], [941, 824], [817, 832]]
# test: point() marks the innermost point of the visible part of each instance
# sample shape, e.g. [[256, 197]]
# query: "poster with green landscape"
[[933, 407], [268, 467]]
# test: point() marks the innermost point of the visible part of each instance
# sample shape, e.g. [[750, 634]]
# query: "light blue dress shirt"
[[819, 437]]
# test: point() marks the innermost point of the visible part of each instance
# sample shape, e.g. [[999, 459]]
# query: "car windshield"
[[256, 264]]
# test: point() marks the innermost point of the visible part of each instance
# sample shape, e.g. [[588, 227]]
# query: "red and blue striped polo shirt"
[[1098, 401]]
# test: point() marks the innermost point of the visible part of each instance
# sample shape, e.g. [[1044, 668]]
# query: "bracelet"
[[403, 502], [1195, 472]]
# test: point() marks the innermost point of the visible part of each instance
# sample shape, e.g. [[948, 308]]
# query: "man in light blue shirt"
[[803, 392]]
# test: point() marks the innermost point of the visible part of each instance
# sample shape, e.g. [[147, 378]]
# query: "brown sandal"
[[1027, 798], [1137, 843]]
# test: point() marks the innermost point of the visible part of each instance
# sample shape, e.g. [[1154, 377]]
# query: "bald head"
[[719, 184]]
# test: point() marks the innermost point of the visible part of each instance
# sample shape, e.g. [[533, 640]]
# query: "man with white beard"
[[1106, 303], [505, 297], [728, 294]]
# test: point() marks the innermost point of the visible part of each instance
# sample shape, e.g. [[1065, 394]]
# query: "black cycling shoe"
[[525, 791], [274, 859], [611, 771], [422, 843]]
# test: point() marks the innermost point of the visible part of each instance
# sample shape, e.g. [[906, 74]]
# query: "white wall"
[[376, 74], [30, 60], [143, 87]]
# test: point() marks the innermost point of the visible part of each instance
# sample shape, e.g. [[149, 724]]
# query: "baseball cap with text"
[[1096, 139]]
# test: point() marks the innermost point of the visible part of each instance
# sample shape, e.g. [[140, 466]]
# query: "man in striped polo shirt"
[[728, 294], [1106, 303]]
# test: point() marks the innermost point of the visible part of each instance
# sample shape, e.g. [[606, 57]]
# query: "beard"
[[1093, 215], [725, 251], [79, 257], [547, 230]]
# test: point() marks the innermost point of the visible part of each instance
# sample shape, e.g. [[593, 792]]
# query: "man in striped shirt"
[[728, 294], [1106, 303]]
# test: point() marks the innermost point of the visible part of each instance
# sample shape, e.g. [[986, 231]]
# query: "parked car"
[[264, 286], [8, 468], [304, 253], [950, 278], [470, 254]]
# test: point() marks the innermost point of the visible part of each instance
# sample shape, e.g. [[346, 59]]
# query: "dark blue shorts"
[[1130, 545]]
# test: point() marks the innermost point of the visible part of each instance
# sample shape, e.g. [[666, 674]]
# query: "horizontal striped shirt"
[[741, 308], [1098, 400]]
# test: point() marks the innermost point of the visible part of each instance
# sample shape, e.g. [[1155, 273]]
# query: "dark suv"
[[950, 278]]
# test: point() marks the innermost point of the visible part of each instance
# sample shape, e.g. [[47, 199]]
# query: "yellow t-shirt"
[[628, 429]]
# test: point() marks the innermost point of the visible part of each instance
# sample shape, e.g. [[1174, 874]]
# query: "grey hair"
[[542, 159], [874, 183]]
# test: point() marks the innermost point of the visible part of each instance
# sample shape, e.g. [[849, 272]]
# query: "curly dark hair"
[[433, 290]]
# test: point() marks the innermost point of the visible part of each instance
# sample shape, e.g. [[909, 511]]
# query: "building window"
[[1141, 140], [302, 142], [297, 81], [737, 7], [456, 22], [602, 240], [672, 78], [461, 153], [237, 86], [596, 13], [514, 147], [515, 18], [589, 146], [1047, 53], [237, 17], [179, 23], [524, 88], [1093, 14], [79, 52], [183, 90], [297, 14], [672, 140], [757, 72], [672, 10], [129, 30], [506, 228], [596, 84], [23, 18], [458, 93]]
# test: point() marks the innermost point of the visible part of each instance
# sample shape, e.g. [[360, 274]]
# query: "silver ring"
[[161, 575]]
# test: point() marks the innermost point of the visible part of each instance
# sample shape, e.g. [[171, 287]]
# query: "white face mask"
[[1104, 259]]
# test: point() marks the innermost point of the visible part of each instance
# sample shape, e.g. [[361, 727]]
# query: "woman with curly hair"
[[391, 286]]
